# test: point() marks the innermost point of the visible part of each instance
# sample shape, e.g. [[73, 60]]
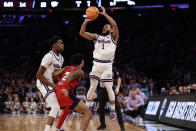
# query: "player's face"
[[60, 45], [107, 29]]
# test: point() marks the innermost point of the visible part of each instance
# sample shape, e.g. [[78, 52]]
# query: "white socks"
[[47, 128]]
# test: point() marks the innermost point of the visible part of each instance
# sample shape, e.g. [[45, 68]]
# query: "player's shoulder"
[[79, 71], [49, 54], [47, 57]]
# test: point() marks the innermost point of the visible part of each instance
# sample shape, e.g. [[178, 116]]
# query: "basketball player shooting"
[[51, 62], [103, 54]]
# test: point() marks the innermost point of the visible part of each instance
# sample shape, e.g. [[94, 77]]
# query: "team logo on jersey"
[[60, 83], [56, 66], [104, 41]]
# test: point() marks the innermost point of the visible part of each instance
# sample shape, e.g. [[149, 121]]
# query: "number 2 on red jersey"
[[65, 76]]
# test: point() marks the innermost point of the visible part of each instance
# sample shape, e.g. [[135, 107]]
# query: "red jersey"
[[63, 83]]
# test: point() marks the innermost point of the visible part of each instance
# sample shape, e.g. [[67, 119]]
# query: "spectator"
[[163, 91], [16, 106], [133, 84], [42, 106], [141, 94], [180, 90], [173, 91], [135, 105], [37, 96], [185, 90], [32, 107], [25, 105], [30, 94], [8, 104], [22, 95]]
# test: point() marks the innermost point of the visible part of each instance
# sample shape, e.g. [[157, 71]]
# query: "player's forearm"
[[59, 72], [111, 20], [45, 81], [118, 82], [83, 28], [56, 75]]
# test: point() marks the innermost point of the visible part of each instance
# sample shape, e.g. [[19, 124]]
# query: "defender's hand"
[[65, 92], [103, 11]]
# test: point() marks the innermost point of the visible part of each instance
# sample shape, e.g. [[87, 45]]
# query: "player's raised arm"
[[113, 23], [78, 74], [87, 35]]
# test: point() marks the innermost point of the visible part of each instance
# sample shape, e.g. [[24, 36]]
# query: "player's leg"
[[83, 109], [50, 97], [52, 101], [107, 80], [62, 117], [91, 91], [94, 79], [119, 114]]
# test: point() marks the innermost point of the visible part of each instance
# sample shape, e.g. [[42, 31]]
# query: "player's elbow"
[[81, 33]]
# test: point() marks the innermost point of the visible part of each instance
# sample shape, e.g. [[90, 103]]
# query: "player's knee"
[[55, 106], [54, 110]]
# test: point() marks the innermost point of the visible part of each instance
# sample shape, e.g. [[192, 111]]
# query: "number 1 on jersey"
[[102, 46]]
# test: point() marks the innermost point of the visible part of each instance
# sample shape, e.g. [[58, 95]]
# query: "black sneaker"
[[122, 128], [101, 128]]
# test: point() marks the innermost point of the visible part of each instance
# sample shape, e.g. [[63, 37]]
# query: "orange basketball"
[[92, 12]]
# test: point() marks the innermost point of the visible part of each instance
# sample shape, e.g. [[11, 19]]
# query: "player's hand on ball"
[[103, 11], [88, 20], [116, 90], [65, 92]]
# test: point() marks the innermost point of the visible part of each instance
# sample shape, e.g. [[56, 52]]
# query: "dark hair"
[[77, 58], [53, 40]]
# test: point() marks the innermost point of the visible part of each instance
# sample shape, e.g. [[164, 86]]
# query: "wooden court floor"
[[36, 122]]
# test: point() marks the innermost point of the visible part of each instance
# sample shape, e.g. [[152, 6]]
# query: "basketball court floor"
[[36, 122]]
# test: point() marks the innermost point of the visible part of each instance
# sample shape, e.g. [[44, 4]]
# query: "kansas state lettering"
[[104, 41], [56, 65]]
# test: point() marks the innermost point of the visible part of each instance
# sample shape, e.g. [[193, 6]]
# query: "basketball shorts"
[[102, 71], [48, 93], [69, 102]]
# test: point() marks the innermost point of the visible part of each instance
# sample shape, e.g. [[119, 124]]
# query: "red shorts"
[[69, 102]]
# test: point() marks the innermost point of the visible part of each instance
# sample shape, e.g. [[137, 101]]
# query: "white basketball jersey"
[[104, 48], [51, 62]]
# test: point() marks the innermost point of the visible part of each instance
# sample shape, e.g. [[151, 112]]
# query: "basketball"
[[92, 12]]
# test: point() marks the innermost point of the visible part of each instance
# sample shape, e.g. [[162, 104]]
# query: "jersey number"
[[102, 46], [65, 76]]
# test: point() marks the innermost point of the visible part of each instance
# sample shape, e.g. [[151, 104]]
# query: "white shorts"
[[48, 93], [102, 71]]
